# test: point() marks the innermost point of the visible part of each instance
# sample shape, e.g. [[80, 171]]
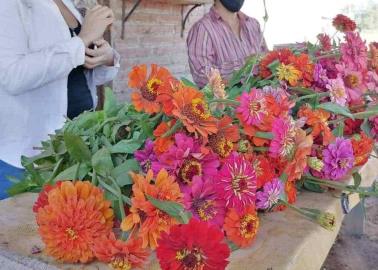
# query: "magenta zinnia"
[[252, 107], [202, 201], [186, 160], [338, 159], [283, 143], [193, 246], [354, 52], [270, 195], [237, 182]]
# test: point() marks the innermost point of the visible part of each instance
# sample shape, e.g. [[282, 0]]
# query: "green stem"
[[261, 149], [77, 172], [94, 178], [173, 129], [311, 96], [327, 56], [114, 192], [338, 186], [156, 117], [302, 90], [264, 135], [227, 101]]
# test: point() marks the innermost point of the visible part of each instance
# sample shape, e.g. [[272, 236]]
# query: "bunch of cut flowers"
[[186, 172]]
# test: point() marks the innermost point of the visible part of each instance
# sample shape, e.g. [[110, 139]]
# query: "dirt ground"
[[357, 252]]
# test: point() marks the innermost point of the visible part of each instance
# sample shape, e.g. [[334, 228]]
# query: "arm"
[[201, 54], [22, 71]]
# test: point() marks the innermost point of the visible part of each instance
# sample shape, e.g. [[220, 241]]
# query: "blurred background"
[[293, 21]]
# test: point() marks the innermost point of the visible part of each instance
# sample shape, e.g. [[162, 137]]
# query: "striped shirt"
[[212, 44]]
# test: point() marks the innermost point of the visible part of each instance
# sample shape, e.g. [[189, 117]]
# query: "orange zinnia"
[[193, 111], [223, 141], [149, 87], [75, 216], [121, 255], [145, 220], [317, 120], [362, 148], [161, 143], [241, 227], [296, 166], [165, 97]]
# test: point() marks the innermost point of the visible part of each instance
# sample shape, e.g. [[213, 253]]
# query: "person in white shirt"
[[51, 60]]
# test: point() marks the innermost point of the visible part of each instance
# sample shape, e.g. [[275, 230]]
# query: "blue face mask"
[[232, 5]]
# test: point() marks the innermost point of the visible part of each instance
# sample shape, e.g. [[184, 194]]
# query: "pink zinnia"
[[283, 142], [270, 195], [353, 82], [202, 201], [252, 107], [372, 83], [186, 160], [237, 182], [354, 52], [337, 91]]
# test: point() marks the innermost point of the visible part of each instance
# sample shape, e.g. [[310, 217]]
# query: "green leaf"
[[336, 109], [273, 66], [77, 148], [264, 135], [121, 172], [88, 119], [173, 209], [313, 187], [111, 107], [69, 173], [21, 187], [126, 147], [372, 111], [102, 162], [339, 130], [235, 92], [357, 179], [366, 127], [45, 154], [189, 83]]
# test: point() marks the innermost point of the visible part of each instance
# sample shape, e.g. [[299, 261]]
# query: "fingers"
[[92, 62], [92, 53]]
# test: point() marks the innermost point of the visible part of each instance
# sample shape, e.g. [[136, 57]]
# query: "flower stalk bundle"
[[186, 172]]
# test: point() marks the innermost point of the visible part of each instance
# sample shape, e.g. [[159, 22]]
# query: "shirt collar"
[[215, 15]]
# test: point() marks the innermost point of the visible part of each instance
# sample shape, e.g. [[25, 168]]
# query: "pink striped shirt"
[[212, 44]]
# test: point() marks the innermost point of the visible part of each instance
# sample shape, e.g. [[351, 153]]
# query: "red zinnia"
[[362, 147], [344, 23], [325, 42], [193, 246]]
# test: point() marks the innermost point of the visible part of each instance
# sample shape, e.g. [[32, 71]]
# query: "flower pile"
[[186, 172]]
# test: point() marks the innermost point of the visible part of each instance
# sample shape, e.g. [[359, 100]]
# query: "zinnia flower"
[[42, 199], [338, 159], [161, 143], [218, 87], [281, 56], [186, 159], [121, 255], [353, 81], [193, 246], [289, 73], [148, 87], [354, 52], [222, 143], [270, 195], [296, 166], [241, 226], [237, 182], [325, 42], [337, 91], [318, 120], [283, 142], [320, 76], [145, 220], [344, 24], [146, 156], [373, 60], [264, 168], [193, 111], [75, 216], [202, 201], [252, 107], [362, 148]]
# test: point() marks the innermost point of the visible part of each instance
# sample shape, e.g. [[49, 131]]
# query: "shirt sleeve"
[[21, 70], [201, 54]]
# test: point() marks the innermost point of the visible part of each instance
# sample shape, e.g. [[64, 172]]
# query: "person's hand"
[[103, 55], [95, 23]]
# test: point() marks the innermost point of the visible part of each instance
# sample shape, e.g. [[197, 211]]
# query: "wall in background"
[[152, 35]]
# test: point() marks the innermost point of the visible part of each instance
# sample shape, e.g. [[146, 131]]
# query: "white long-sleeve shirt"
[[37, 53]]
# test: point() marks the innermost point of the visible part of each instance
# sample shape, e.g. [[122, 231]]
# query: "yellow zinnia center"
[[71, 233], [120, 263], [248, 226], [288, 73]]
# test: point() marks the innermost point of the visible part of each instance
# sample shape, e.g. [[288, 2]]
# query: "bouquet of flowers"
[[185, 171]]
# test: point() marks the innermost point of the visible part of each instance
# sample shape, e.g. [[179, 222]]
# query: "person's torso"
[[28, 118]]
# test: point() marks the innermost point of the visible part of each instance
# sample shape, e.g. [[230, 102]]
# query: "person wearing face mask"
[[223, 39]]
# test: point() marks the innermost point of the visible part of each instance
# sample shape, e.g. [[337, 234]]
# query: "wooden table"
[[285, 241]]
